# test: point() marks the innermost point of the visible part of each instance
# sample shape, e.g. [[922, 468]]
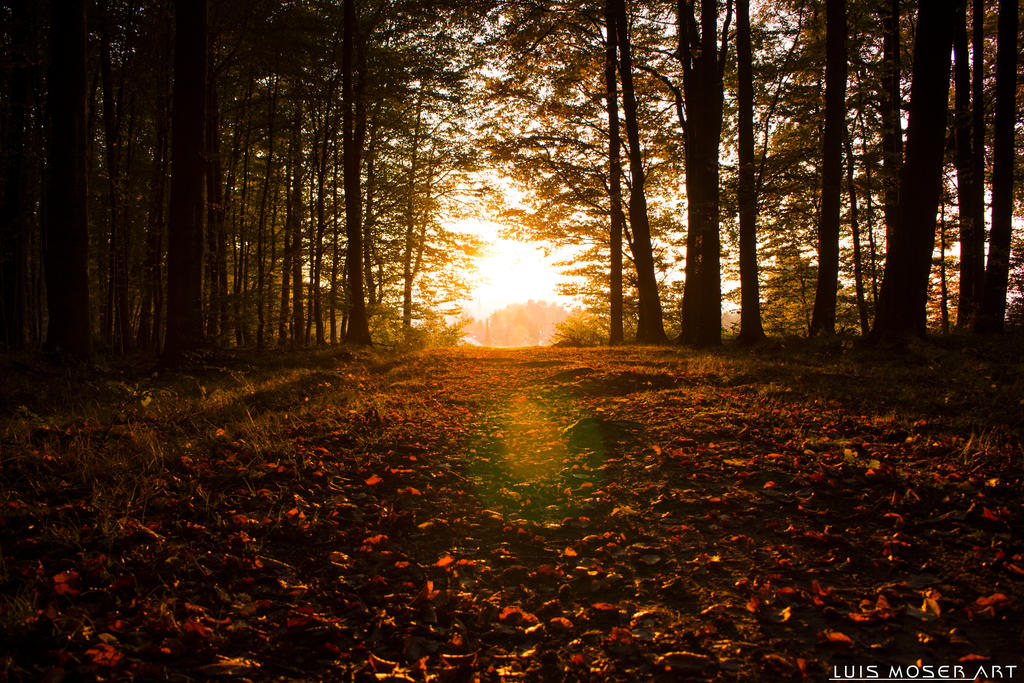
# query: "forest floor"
[[531, 514]]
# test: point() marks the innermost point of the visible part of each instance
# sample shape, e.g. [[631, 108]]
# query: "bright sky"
[[509, 271]]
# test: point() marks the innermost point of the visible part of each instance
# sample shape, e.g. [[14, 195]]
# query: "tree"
[[704, 95], [617, 218], [185, 244], [650, 328], [358, 331], [69, 326], [823, 319], [971, 211], [902, 300], [750, 305], [993, 303]]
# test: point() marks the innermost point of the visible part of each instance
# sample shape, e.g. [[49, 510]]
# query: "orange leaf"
[[104, 654], [444, 561], [64, 583], [837, 637], [569, 552], [994, 600], [373, 480]]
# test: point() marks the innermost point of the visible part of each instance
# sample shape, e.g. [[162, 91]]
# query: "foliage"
[[433, 514]]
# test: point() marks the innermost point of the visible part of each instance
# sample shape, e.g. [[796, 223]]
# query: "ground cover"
[[528, 514]]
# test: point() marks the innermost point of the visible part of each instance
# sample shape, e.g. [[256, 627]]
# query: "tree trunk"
[[617, 217], [702, 85], [67, 227], [410, 218], [971, 219], [993, 303], [650, 327], [358, 331], [858, 263], [185, 247], [823, 319], [298, 318], [262, 224], [903, 299], [892, 126], [216, 250], [751, 330], [16, 207]]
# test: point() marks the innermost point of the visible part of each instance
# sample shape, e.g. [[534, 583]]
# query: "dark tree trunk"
[[298, 317], [823, 319], [411, 218], [650, 327], [617, 217], [216, 252], [858, 262], [903, 299], [185, 246], [972, 223], [358, 331], [16, 207], [702, 85], [67, 228], [892, 127], [151, 310], [751, 330], [993, 301], [262, 226]]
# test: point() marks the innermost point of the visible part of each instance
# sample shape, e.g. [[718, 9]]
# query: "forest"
[[249, 432], [290, 174]]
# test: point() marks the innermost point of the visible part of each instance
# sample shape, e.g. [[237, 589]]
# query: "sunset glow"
[[509, 271]]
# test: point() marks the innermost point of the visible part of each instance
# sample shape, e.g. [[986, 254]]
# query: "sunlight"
[[509, 271]]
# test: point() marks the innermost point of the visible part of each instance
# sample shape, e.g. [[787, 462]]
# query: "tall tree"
[[358, 331], [15, 205], [704, 95], [67, 234], [750, 296], [902, 300], [823, 319], [971, 214], [617, 219], [993, 303], [185, 244], [650, 327], [892, 115]]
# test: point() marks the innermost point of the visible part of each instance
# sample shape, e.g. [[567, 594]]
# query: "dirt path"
[[548, 515]]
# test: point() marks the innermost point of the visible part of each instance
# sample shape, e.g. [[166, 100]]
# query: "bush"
[[581, 328]]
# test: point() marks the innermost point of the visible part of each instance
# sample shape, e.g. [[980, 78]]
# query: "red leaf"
[[837, 637], [104, 654], [65, 583], [994, 600]]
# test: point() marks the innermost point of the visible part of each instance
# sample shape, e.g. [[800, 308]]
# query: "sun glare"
[[509, 271]]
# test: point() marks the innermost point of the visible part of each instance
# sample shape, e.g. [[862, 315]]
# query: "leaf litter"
[[530, 515]]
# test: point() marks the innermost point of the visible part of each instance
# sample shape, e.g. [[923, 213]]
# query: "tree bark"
[[67, 229], [971, 219], [185, 246], [892, 126], [650, 327], [617, 217], [751, 330], [358, 331], [16, 207], [702, 85], [993, 303], [903, 299], [823, 319]]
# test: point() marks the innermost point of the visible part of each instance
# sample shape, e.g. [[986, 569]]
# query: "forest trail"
[[541, 514]]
